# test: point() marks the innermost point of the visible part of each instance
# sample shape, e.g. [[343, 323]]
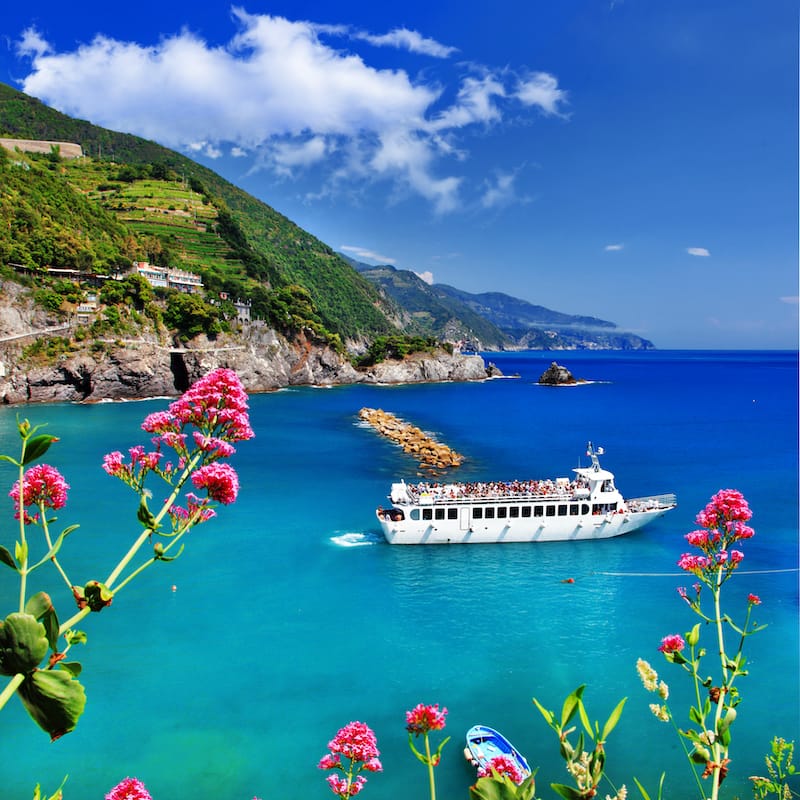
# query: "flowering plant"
[[357, 743], [723, 523], [199, 428], [419, 722]]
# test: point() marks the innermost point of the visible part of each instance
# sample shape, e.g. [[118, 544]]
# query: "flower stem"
[[430, 766], [13, 684]]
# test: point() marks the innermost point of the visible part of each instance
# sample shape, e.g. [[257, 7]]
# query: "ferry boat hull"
[[588, 507]]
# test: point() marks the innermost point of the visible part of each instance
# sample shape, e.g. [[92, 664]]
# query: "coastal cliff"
[[149, 365]]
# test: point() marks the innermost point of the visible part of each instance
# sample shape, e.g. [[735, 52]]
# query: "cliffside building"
[[166, 277]]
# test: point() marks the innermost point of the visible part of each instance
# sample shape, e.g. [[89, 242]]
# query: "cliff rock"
[[265, 360]]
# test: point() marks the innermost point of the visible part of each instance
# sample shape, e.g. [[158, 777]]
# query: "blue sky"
[[627, 159]]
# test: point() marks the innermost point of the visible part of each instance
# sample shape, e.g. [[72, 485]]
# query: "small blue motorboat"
[[485, 744]]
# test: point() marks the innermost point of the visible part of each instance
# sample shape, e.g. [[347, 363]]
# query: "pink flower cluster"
[[422, 719], [216, 406], [673, 643], [723, 521], [42, 485], [356, 742], [129, 789], [502, 765]]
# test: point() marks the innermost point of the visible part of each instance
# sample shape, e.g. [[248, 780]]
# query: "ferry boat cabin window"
[[439, 513], [427, 513], [562, 510], [585, 508], [538, 511], [489, 513], [477, 513], [526, 511], [573, 509], [551, 511], [513, 511], [502, 512], [415, 514], [452, 513]]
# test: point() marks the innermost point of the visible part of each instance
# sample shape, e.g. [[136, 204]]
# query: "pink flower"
[[114, 464], [754, 600], [693, 563], [422, 719], [502, 765], [41, 485], [673, 643], [727, 505], [356, 741], [697, 538], [216, 401], [129, 789], [219, 480]]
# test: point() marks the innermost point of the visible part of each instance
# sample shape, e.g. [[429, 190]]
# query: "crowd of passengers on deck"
[[493, 490]]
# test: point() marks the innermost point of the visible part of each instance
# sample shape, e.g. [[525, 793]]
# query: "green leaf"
[[53, 551], [75, 637], [37, 446], [660, 787], [73, 667], [613, 719], [54, 699], [548, 715], [41, 606], [145, 516], [7, 558], [571, 706], [566, 792], [587, 725], [23, 644], [21, 552], [10, 460], [694, 716]]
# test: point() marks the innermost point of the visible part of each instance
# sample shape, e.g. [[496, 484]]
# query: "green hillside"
[[168, 207]]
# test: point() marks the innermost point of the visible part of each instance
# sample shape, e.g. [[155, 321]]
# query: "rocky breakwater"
[[431, 454]]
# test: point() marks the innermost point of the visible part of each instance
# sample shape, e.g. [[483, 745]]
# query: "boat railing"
[[443, 498], [653, 502]]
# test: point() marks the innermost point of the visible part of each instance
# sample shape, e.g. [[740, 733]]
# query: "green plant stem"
[[718, 750], [13, 684], [145, 535], [23, 567], [430, 767], [54, 559]]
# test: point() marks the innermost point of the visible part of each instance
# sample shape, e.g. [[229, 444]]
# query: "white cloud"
[[501, 191], [279, 91], [32, 45], [612, 248], [541, 89], [698, 251], [406, 39], [425, 276], [790, 299], [362, 252]]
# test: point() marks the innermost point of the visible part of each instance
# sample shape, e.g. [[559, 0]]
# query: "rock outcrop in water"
[[556, 375]]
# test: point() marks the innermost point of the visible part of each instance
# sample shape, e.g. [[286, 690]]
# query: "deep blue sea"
[[224, 674]]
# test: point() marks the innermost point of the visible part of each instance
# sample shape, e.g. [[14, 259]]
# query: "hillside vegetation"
[[170, 209]]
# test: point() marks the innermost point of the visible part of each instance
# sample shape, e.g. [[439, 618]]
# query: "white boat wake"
[[356, 539]]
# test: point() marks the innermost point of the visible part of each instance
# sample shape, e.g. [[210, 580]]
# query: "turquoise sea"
[[223, 675]]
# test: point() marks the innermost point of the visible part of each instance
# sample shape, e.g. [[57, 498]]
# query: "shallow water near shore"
[[224, 674]]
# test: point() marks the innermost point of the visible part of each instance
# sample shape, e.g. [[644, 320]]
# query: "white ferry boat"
[[587, 507]]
